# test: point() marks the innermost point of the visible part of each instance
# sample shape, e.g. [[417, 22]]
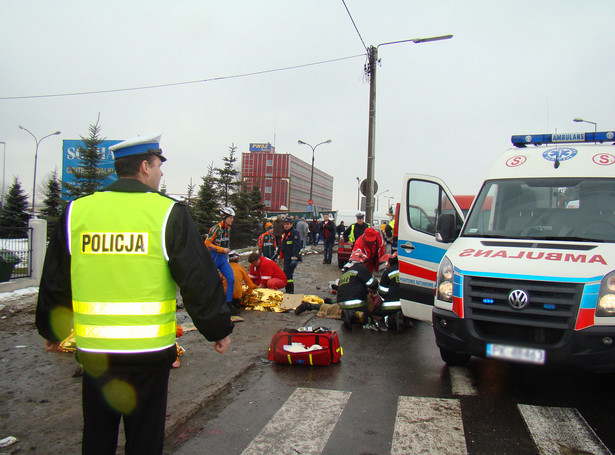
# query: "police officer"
[[290, 251], [356, 230], [111, 270]]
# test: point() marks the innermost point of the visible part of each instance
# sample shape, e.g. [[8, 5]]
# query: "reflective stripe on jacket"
[[123, 292]]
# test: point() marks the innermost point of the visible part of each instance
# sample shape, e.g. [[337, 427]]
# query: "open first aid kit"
[[305, 346]]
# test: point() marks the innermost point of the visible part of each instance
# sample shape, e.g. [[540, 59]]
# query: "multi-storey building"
[[284, 180]]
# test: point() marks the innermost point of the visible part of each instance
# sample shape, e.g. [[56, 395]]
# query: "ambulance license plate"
[[501, 351]]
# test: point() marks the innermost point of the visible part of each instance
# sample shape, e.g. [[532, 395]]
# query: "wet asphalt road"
[[490, 407]]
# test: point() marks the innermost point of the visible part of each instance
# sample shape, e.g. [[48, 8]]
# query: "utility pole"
[[371, 138]]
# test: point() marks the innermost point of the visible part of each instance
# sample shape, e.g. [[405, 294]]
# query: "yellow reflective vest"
[[123, 292]]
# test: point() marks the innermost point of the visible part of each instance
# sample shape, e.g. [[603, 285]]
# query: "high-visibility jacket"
[[356, 233], [123, 292]]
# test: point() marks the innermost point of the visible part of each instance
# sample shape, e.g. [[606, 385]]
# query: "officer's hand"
[[52, 346], [226, 250], [222, 345]]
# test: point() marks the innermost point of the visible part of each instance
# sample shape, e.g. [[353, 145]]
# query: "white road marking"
[[428, 426], [302, 425], [561, 431], [462, 381]]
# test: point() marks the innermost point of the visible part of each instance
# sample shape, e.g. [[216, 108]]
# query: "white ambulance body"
[[530, 275]]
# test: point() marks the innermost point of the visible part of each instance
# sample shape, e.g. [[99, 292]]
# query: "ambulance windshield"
[[578, 209]]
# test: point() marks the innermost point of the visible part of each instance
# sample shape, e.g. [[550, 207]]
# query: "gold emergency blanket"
[[263, 300], [270, 300], [68, 344]]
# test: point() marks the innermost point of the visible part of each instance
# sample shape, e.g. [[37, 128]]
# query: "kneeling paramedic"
[[112, 271], [388, 290], [352, 292]]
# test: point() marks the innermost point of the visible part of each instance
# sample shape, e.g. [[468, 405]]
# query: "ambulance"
[[529, 276]]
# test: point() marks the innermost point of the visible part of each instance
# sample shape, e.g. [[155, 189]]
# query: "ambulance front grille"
[[551, 310]]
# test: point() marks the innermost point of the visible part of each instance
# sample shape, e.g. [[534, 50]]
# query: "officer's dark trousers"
[[139, 397]]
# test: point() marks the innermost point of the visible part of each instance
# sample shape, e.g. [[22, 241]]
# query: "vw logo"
[[518, 299]]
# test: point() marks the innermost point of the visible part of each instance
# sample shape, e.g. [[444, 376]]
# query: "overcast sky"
[[445, 108]]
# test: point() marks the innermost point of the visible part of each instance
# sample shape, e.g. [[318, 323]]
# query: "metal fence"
[[15, 254]]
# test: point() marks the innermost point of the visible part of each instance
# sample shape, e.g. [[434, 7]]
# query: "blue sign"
[[71, 161], [260, 147]]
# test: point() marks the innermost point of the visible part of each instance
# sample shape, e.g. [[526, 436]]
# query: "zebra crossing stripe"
[[428, 425], [462, 381], [561, 431], [303, 424]]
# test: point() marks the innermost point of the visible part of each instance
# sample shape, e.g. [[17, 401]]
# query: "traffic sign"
[[311, 202], [364, 187]]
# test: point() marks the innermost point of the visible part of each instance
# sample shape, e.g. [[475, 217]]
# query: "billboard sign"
[[260, 147], [71, 161]]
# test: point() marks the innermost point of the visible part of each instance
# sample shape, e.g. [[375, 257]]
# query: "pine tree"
[[52, 204], [227, 181], [248, 216], [206, 208], [88, 179], [189, 200], [14, 215]]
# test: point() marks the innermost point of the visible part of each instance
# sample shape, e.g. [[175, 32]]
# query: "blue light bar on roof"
[[539, 139]]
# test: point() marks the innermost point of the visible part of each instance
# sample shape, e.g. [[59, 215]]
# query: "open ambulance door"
[[424, 200]]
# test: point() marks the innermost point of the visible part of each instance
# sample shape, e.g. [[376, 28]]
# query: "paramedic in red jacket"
[[265, 273], [372, 244]]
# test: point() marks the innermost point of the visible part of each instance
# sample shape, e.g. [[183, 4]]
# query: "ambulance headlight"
[[445, 280], [606, 296]]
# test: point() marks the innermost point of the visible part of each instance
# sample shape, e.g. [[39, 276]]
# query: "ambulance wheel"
[[456, 359]]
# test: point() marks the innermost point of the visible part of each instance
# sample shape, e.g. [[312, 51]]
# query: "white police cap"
[[138, 146]]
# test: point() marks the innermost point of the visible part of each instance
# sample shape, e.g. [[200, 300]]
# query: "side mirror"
[[446, 229]]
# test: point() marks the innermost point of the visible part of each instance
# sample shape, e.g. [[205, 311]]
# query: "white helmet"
[[227, 211]]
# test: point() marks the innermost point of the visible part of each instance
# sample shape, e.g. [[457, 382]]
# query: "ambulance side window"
[[446, 206], [423, 203]]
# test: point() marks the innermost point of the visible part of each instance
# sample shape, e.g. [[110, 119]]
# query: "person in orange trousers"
[[241, 277]]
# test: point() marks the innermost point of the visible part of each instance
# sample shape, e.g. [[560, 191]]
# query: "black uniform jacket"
[[355, 282], [359, 229], [291, 244], [191, 267], [390, 281]]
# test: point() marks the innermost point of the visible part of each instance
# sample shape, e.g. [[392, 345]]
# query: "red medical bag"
[[282, 349]]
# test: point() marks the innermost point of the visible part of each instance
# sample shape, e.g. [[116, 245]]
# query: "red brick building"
[[284, 180]]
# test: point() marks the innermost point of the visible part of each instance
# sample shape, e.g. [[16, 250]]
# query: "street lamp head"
[[578, 119], [57, 132], [328, 141], [301, 142]]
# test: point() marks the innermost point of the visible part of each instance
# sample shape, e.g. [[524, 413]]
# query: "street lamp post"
[[578, 120], [3, 172], [328, 141], [37, 141], [388, 198], [358, 193], [371, 140], [378, 198]]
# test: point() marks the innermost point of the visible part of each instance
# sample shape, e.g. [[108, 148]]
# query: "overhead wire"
[[175, 84], [355, 26]]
